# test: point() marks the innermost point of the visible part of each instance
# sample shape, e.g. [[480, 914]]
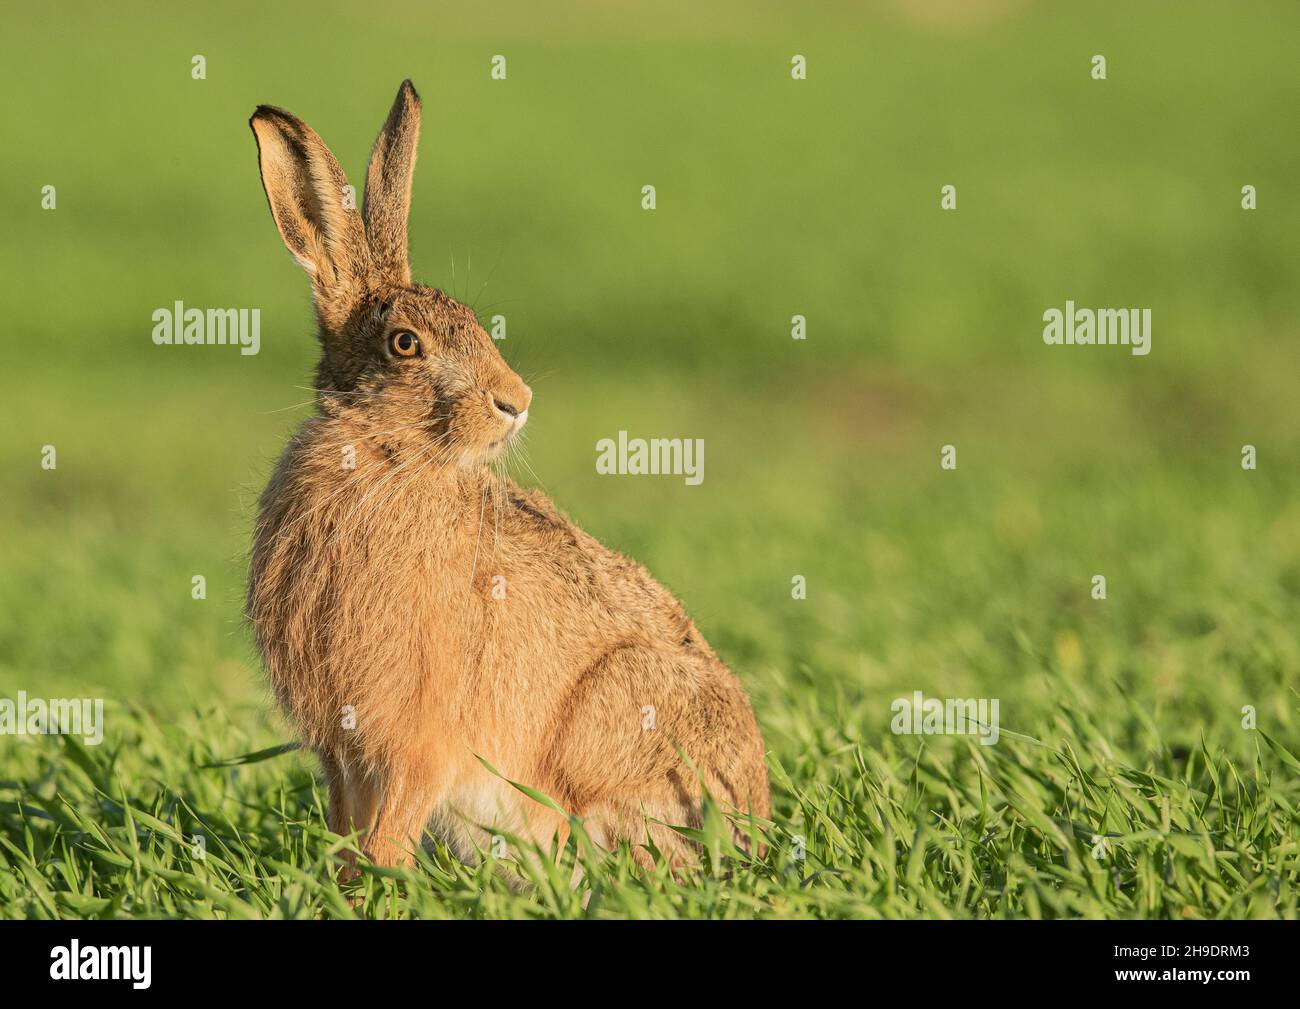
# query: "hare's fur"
[[415, 611]]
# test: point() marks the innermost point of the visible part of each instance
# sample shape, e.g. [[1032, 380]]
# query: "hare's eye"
[[404, 343]]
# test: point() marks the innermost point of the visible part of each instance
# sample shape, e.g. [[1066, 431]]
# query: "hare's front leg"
[[406, 799], [353, 802]]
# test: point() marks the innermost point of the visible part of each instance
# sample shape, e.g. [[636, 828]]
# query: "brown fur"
[[372, 588]]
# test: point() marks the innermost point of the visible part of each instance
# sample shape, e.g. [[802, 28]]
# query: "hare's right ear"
[[314, 210], [388, 185]]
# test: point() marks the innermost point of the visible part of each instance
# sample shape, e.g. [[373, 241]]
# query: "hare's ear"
[[314, 210], [388, 185]]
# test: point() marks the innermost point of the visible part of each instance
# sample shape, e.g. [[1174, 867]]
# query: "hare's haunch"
[[415, 611]]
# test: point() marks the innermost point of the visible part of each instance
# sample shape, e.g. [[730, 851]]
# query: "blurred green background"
[[775, 197]]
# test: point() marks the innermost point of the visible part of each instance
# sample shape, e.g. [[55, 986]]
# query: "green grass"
[[1121, 718]]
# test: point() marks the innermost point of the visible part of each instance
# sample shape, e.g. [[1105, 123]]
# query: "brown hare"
[[416, 611]]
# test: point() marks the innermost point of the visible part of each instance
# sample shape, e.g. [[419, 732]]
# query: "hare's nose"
[[513, 401]]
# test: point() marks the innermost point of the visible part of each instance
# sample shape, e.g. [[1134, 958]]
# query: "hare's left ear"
[[313, 211], [388, 186]]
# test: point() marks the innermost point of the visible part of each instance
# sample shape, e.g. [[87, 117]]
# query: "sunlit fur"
[[416, 611]]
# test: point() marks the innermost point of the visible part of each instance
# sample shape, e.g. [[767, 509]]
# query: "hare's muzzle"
[[511, 404]]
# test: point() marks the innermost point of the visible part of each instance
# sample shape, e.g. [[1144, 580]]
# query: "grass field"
[[1148, 759]]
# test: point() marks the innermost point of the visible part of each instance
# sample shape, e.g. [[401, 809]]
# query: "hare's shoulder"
[[647, 610], [534, 508], [538, 515]]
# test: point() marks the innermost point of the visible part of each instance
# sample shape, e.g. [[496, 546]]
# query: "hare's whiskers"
[[429, 458], [474, 567], [294, 406], [412, 457], [474, 306], [346, 486]]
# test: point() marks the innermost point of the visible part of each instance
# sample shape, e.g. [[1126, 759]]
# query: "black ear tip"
[[271, 112], [408, 89]]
